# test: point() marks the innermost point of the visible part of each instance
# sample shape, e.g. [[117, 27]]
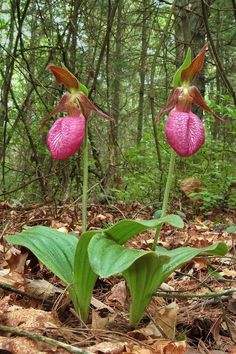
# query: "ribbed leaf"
[[84, 276], [141, 269], [125, 229], [56, 250], [182, 255], [143, 278], [108, 258]]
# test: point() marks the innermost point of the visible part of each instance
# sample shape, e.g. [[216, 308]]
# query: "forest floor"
[[33, 301]]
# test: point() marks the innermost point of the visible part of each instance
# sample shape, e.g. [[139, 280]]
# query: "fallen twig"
[[8, 287], [39, 337]]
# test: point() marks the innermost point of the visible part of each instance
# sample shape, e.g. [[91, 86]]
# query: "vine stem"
[[166, 196], [85, 180]]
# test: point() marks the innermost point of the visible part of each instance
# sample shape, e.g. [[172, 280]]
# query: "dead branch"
[[40, 338]]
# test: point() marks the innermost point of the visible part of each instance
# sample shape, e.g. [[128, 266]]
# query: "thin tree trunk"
[[142, 71], [111, 173], [10, 63], [93, 87]]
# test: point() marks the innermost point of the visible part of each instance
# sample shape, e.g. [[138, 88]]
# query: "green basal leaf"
[[143, 277], [181, 255], [83, 89], [141, 269], [108, 258], [186, 63], [126, 229], [84, 276], [56, 250]]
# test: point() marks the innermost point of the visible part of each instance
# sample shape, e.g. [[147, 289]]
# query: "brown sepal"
[[193, 69], [64, 76]]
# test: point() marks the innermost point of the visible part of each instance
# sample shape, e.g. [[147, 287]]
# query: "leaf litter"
[[170, 326]]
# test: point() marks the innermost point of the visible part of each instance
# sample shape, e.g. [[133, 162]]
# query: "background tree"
[[125, 52]]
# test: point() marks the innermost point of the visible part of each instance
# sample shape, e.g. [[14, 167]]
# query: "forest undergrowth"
[[182, 316]]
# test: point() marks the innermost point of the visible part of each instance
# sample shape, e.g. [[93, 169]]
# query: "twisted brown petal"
[[193, 69], [199, 101], [88, 106], [171, 102]]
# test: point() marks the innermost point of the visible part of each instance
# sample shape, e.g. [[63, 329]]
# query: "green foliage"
[[181, 255], [49, 247], [125, 229], [84, 277], [100, 253]]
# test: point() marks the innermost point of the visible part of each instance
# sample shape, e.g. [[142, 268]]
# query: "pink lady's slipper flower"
[[67, 133], [184, 131]]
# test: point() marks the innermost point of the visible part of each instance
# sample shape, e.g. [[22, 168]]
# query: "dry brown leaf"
[[169, 347], [139, 350], [99, 305], [166, 287], [165, 320], [228, 273], [56, 224], [215, 329], [21, 345], [63, 229], [17, 261], [119, 293], [232, 305], [98, 321], [38, 320], [200, 263], [175, 348], [150, 330], [6, 279], [107, 348], [191, 351], [41, 287], [232, 327]]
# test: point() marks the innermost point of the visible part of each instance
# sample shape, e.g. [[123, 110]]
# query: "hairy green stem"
[[85, 180], [176, 295], [166, 196]]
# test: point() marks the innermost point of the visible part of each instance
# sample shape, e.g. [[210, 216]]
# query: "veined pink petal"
[[185, 132], [66, 136]]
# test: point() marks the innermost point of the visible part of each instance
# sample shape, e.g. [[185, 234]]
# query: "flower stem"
[[166, 196], [85, 180]]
